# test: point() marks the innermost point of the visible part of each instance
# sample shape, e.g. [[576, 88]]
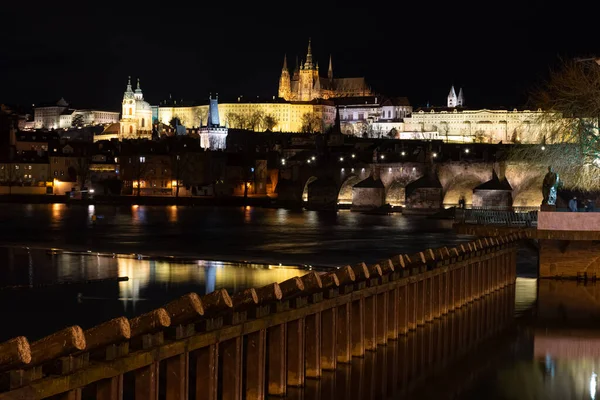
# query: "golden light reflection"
[[58, 210], [138, 272], [172, 214]]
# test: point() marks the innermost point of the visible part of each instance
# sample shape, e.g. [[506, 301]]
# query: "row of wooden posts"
[[262, 340]]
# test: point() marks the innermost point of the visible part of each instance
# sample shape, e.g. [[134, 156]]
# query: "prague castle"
[[305, 84]]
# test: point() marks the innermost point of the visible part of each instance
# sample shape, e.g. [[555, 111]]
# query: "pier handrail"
[[261, 340]]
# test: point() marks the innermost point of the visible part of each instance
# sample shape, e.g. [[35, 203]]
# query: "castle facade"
[[305, 83]]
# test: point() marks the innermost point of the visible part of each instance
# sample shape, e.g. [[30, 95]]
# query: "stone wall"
[[425, 198], [367, 198], [492, 198]]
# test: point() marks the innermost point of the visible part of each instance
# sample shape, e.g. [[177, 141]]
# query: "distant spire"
[[129, 82], [138, 85], [285, 62], [308, 63], [297, 64], [461, 98], [330, 70]]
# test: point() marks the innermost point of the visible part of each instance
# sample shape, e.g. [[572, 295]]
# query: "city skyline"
[[496, 57]]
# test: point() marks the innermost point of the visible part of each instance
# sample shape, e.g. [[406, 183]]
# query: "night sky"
[[84, 51]]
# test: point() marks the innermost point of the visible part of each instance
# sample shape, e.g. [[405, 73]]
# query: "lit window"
[[142, 159]]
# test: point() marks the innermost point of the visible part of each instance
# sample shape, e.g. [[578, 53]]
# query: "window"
[[55, 173], [142, 159], [62, 173], [130, 129], [143, 122]]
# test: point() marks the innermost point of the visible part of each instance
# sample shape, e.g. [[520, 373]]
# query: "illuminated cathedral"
[[305, 84]]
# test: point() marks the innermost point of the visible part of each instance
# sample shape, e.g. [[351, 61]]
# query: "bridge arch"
[[310, 180], [345, 193]]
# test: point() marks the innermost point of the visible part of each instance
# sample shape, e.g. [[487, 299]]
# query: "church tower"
[[460, 102], [452, 99], [284, 81], [307, 75], [330, 70], [128, 120]]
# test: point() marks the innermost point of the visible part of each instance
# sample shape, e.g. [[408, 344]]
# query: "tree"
[[200, 116], [255, 120], [569, 132], [82, 169], [77, 120], [269, 122], [311, 123]]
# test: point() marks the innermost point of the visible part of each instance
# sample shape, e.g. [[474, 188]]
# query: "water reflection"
[[150, 284], [242, 233]]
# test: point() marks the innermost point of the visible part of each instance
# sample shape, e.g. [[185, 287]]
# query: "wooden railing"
[[260, 341]]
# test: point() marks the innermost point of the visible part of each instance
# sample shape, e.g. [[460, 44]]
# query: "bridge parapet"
[[260, 341]]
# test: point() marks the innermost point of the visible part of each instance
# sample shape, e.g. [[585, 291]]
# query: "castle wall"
[[364, 198]]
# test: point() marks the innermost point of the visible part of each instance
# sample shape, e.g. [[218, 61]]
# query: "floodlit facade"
[[136, 119], [60, 116], [305, 83]]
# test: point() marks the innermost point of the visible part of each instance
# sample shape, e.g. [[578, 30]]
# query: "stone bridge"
[[331, 185]]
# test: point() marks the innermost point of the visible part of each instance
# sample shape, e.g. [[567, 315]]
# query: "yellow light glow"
[[173, 183]]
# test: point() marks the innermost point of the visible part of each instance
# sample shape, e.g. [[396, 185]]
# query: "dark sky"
[[84, 51]]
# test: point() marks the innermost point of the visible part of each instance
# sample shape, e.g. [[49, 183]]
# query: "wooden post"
[[276, 355], [421, 300], [230, 366], [393, 321], [371, 320], [177, 372], [295, 352], [255, 365], [313, 345], [328, 339], [146, 382], [344, 334], [403, 309], [110, 389], [358, 327], [207, 372]]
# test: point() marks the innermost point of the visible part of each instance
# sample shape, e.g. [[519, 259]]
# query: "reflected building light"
[[210, 273], [138, 273], [91, 210], [57, 211], [173, 214], [593, 386]]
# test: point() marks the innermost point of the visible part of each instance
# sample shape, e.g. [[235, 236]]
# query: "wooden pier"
[[261, 341]]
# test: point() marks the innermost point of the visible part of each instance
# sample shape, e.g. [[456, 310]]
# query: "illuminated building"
[[59, 115], [136, 119], [250, 115], [305, 84], [213, 136]]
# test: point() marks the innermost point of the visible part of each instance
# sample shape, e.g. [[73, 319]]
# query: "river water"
[[236, 248]]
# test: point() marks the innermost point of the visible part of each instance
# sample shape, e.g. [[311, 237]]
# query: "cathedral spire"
[[461, 98], [330, 70], [138, 85], [285, 67], [129, 84], [308, 63]]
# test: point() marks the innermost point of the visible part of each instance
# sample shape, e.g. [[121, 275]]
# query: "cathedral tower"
[[284, 81], [307, 75], [460, 102], [330, 70], [452, 99]]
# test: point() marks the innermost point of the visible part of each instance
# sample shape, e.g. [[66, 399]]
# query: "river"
[[236, 248]]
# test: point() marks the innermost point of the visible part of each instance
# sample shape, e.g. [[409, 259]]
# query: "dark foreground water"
[[548, 346]]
